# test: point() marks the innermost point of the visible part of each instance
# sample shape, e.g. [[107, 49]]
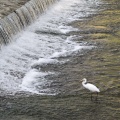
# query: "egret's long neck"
[[84, 82]]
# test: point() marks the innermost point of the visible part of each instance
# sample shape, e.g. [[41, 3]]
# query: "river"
[[41, 71], [40, 44]]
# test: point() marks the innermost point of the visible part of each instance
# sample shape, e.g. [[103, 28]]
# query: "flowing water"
[[40, 44]]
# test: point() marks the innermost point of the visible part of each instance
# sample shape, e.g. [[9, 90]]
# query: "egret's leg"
[[91, 96], [97, 96]]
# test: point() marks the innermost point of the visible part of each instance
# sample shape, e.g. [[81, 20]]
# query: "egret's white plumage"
[[90, 87]]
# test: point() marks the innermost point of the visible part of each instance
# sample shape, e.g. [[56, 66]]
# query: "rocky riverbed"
[[100, 65]]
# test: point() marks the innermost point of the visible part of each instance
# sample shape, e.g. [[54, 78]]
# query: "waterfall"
[[21, 18]]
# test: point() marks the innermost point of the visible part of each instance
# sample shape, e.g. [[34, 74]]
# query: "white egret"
[[90, 87]]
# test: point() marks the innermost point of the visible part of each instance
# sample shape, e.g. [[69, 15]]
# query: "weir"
[[21, 18]]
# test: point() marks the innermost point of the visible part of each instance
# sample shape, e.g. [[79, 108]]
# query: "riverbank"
[[100, 65], [8, 6]]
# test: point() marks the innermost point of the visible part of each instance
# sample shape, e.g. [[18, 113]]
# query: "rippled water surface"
[[40, 44]]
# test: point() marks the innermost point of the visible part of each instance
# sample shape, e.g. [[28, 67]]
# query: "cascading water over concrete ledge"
[[21, 18]]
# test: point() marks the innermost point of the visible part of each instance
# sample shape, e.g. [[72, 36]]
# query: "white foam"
[[66, 29], [30, 77], [43, 61], [32, 80], [58, 54]]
